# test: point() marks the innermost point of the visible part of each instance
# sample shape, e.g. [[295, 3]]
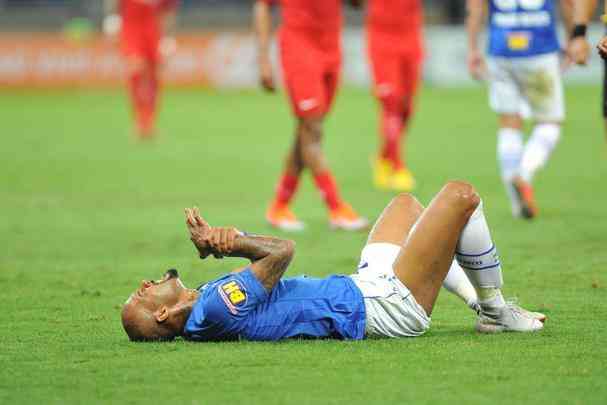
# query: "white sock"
[[458, 283], [509, 154], [477, 255], [538, 149]]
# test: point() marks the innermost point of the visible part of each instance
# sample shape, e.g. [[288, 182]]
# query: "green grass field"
[[86, 213]]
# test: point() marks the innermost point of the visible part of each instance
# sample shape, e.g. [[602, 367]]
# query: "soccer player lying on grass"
[[409, 255]]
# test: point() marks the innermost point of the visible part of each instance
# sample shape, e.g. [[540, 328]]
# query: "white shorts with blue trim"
[[392, 311], [529, 86]]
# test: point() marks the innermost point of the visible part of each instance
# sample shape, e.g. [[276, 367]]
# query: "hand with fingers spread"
[[199, 231]]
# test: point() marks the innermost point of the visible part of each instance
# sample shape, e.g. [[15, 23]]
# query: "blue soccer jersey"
[[237, 306], [521, 28]]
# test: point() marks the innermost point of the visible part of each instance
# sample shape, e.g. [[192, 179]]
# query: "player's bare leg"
[[454, 222], [341, 214], [279, 214], [394, 226], [424, 262], [396, 221]]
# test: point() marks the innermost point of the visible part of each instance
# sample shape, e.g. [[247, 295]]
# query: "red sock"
[[136, 92], [143, 91], [286, 188], [392, 129], [328, 189], [150, 97]]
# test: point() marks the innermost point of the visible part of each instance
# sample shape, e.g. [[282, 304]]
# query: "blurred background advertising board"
[[54, 43]]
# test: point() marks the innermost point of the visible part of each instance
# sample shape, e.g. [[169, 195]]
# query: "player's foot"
[[382, 173], [345, 218], [524, 193], [281, 217], [509, 318], [402, 180]]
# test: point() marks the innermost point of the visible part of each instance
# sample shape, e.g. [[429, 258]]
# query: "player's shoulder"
[[231, 295]]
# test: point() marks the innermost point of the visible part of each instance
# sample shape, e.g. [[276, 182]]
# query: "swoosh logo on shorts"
[[308, 104]]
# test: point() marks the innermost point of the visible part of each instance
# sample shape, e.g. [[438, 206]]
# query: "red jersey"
[[395, 15], [138, 10], [312, 15]]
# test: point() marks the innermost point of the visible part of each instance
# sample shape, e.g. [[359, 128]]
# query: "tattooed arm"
[[269, 256]]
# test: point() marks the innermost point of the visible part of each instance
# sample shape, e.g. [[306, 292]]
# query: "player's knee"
[[462, 195], [310, 129], [407, 202], [288, 249]]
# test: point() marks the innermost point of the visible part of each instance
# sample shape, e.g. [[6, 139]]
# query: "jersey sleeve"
[[229, 304]]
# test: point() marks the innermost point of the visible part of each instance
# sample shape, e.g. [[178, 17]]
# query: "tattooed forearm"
[[270, 256]]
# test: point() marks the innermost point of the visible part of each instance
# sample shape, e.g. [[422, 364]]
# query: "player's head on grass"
[[158, 309]]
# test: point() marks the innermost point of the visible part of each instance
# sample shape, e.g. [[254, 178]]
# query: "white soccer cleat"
[[510, 318]]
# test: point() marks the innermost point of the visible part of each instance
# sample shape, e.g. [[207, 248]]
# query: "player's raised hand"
[[602, 47], [199, 231], [578, 50], [266, 75], [476, 65]]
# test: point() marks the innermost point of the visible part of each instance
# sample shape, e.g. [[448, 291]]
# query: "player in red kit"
[[310, 53], [143, 26], [395, 49]]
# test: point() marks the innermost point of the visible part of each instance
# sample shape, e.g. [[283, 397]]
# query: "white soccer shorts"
[[392, 311], [529, 86]]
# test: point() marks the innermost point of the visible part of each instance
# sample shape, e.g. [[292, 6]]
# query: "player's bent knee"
[[407, 202], [288, 248], [461, 194]]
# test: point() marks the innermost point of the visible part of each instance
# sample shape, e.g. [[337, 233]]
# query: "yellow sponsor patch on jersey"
[[234, 292], [518, 41]]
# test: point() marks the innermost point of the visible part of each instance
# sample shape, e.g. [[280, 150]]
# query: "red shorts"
[[396, 64], [140, 40], [310, 65]]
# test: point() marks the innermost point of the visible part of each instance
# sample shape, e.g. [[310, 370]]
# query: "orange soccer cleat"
[[344, 217], [281, 217], [524, 192]]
